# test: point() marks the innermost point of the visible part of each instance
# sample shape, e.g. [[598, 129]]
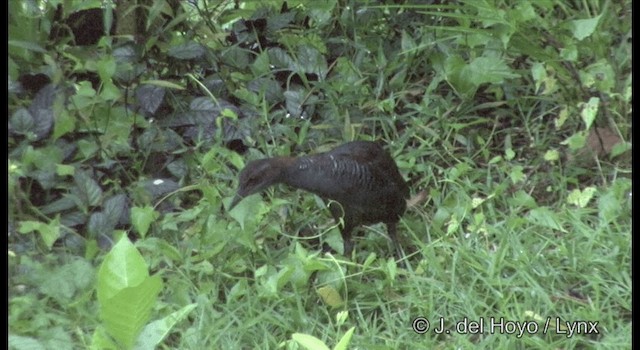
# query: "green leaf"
[[142, 217], [309, 342], [102, 341], [114, 207], [248, 96], [294, 101], [122, 267], [281, 59], [523, 11], [509, 154], [341, 317], [48, 232], [57, 337], [162, 247], [126, 313], [106, 68], [544, 217], [477, 201], [164, 84], [110, 92], [601, 74], [562, 118], [581, 198], [28, 343], [44, 158], [523, 199], [569, 53], [392, 268], [330, 296], [66, 281], [22, 122], [187, 51], [310, 60], [583, 28], [620, 148], [260, 65], [488, 70], [453, 69], [155, 332], [609, 208], [64, 124], [84, 88], [590, 111], [87, 189], [236, 57], [27, 45], [87, 148], [516, 174], [126, 293], [406, 42], [551, 155], [466, 78], [452, 225], [42, 109], [539, 74], [98, 226], [62, 204], [345, 340], [575, 141]]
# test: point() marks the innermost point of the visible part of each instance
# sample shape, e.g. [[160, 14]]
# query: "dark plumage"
[[359, 175]]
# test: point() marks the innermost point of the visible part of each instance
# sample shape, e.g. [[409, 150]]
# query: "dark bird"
[[361, 176]]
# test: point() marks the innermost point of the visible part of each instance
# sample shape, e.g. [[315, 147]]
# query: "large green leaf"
[[122, 268], [127, 312], [126, 293]]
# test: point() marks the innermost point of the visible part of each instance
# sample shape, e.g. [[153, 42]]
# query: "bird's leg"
[[391, 229], [346, 239], [347, 226]]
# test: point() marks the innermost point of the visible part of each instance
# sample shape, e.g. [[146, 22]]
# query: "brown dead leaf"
[[601, 141]]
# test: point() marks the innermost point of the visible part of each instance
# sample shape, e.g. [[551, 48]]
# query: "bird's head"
[[258, 175]]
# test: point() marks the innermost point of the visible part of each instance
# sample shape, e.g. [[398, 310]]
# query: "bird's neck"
[[282, 166]]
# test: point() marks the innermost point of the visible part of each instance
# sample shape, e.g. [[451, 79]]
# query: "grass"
[[508, 268]]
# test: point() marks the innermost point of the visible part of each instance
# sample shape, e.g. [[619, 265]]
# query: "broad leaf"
[[87, 189]]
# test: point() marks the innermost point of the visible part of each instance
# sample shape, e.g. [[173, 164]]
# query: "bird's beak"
[[235, 201]]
